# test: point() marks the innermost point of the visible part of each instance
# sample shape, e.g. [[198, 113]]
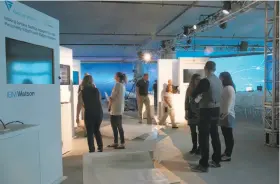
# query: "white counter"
[[20, 155]]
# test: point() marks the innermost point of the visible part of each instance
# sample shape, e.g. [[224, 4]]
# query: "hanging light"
[[194, 26], [147, 57], [226, 7]]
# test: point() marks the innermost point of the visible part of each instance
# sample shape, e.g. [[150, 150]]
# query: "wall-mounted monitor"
[[64, 75], [76, 78], [28, 63], [187, 74]]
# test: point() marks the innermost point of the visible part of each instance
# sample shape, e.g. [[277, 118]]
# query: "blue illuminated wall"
[[246, 71], [103, 74]]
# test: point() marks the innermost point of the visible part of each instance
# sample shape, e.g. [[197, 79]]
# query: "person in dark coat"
[[90, 98], [192, 113]]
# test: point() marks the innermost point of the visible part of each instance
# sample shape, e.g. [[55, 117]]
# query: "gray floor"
[[252, 162]]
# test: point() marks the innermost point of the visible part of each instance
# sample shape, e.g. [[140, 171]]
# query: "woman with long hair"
[[192, 113], [90, 98], [116, 108], [168, 107], [227, 113]]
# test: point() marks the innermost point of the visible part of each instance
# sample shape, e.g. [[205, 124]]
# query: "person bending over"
[[192, 113], [209, 90], [168, 107], [116, 108], [90, 98], [227, 115], [142, 87]]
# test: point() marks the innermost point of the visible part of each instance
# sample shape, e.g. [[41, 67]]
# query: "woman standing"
[[168, 107], [227, 116], [192, 113], [116, 108], [89, 98]]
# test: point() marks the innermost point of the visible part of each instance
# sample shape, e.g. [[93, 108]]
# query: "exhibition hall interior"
[[139, 92]]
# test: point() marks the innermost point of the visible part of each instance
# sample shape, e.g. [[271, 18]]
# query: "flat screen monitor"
[[28, 63], [76, 78], [187, 74], [64, 75]]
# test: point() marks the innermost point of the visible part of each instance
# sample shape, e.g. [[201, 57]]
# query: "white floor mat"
[[132, 131]]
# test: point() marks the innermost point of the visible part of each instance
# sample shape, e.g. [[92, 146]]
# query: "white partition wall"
[[77, 68], [66, 99], [36, 99]]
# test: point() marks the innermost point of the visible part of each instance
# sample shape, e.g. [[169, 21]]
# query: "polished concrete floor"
[[252, 162]]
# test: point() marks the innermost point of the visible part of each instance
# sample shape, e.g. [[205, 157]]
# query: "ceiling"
[[106, 30]]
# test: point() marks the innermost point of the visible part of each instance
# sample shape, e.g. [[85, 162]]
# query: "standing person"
[[90, 98], [168, 107], [192, 113], [227, 114], [142, 88], [155, 95], [116, 106], [209, 91]]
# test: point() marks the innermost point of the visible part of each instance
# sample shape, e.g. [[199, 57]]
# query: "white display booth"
[[173, 69], [29, 92], [66, 100]]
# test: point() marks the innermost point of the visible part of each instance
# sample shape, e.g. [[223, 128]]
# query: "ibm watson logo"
[[18, 94], [9, 4]]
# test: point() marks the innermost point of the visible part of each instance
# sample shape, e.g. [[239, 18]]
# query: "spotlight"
[[189, 41], [187, 30], [173, 48], [194, 27], [223, 25], [226, 7], [147, 57], [162, 45]]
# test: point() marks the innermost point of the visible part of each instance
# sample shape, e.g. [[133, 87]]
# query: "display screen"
[[64, 75], [75, 78], [27, 63], [187, 74]]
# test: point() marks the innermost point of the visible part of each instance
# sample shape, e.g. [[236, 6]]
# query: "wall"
[[22, 23], [77, 68], [103, 74]]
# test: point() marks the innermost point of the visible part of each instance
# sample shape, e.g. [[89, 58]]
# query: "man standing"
[[142, 87], [155, 95], [208, 92]]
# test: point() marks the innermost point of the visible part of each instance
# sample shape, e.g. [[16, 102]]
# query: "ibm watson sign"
[[19, 94]]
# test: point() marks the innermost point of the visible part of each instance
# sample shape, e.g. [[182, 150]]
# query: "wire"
[[3, 124]]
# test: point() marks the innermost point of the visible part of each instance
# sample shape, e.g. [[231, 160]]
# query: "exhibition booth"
[[30, 98]]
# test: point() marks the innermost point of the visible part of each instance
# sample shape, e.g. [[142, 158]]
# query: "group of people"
[[210, 103]]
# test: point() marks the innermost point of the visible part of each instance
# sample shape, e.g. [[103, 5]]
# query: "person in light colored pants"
[[144, 100], [168, 107]]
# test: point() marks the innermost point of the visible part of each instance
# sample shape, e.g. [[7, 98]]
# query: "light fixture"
[[189, 41], [187, 30], [163, 45], [173, 49], [226, 7], [194, 27], [223, 25], [147, 57]]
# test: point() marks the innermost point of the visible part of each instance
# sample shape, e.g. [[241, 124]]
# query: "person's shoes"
[[193, 151], [214, 164], [114, 145], [225, 158], [100, 150], [140, 122], [91, 151], [197, 152], [174, 127], [199, 168], [121, 146]]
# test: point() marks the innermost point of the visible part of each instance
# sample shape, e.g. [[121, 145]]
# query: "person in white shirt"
[[116, 109], [227, 114], [168, 107]]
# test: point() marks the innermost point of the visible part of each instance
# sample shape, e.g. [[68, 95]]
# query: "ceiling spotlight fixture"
[[189, 41], [147, 57], [226, 7], [163, 45], [194, 27], [173, 48], [223, 25], [187, 30]]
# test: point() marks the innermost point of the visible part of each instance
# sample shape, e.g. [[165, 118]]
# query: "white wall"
[[66, 99], [43, 108], [76, 67]]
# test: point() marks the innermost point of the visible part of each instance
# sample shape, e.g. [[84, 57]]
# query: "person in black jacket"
[[192, 113], [90, 98]]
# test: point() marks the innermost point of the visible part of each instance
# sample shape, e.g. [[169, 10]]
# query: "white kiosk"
[[174, 69], [29, 93]]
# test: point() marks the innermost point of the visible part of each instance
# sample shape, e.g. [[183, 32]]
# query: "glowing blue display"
[[103, 74]]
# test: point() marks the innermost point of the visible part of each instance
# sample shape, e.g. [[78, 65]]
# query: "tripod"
[[127, 99]]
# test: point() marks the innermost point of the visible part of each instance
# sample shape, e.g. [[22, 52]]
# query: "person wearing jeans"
[[142, 87], [208, 92], [116, 108], [90, 98], [227, 115]]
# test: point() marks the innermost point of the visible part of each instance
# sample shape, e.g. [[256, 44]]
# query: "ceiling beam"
[[241, 54], [105, 44]]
